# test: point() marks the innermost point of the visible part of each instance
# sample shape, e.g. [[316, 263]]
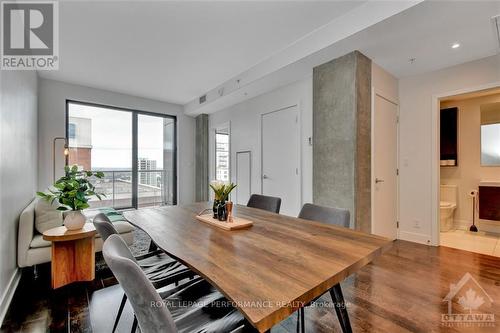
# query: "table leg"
[[72, 261], [340, 308]]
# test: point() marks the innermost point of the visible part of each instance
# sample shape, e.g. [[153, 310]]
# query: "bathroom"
[[470, 172]]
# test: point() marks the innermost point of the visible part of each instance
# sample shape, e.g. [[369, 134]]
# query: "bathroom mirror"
[[490, 134]]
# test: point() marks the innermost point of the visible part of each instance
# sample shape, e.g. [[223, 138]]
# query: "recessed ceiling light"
[[455, 45]]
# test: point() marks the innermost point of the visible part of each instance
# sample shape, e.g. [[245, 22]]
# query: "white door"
[[385, 156], [280, 158]]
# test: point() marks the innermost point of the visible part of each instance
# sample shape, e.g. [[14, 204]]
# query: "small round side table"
[[73, 254]]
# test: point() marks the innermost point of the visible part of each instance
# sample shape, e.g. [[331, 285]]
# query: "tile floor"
[[479, 242]]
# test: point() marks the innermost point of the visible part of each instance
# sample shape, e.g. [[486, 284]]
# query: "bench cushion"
[[121, 226], [47, 216]]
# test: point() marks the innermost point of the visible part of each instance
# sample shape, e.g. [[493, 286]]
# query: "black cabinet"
[[449, 134]]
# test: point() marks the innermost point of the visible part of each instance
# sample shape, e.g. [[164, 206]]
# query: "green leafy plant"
[[74, 189], [222, 189]]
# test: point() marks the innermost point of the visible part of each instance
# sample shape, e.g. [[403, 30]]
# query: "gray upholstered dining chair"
[[160, 269], [198, 307], [271, 204], [105, 228], [339, 217], [324, 214]]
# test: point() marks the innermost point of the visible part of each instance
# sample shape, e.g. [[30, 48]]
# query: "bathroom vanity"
[[489, 200]]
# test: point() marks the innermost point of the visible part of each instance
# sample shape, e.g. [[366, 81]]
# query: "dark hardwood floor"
[[402, 291]]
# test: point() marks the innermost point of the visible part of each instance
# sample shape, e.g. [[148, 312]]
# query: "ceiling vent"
[[202, 99], [496, 23]]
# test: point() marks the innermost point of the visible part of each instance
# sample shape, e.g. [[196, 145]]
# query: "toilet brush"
[[473, 227]]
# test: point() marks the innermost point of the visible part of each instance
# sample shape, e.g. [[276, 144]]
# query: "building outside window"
[[222, 155]]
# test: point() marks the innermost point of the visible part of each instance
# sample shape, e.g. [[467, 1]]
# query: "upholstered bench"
[[38, 216]]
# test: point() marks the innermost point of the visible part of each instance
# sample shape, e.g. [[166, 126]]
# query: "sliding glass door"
[[155, 160], [134, 149]]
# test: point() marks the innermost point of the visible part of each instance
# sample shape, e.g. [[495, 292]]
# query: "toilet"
[[447, 206]]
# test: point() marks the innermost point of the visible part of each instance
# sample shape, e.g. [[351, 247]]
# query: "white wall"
[[52, 123], [245, 120], [416, 150], [18, 167], [469, 171], [384, 83]]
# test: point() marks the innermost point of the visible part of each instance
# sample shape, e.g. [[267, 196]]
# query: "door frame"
[[435, 148], [299, 146], [377, 92]]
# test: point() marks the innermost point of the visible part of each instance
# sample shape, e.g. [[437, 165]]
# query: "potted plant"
[[221, 194], [73, 191]]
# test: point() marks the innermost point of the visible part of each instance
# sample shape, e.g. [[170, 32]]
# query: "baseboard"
[[8, 294], [482, 225], [415, 237]]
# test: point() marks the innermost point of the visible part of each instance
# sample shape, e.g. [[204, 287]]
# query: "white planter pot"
[[74, 220]]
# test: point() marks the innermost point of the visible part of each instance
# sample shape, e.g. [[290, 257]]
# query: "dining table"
[[269, 270]]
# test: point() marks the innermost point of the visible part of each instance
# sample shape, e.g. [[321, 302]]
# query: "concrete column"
[[201, 158], [342, 136]]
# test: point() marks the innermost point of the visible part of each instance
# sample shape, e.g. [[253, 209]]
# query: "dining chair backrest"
[[104, 226], [151, 313], [336, 216], [271, 204]]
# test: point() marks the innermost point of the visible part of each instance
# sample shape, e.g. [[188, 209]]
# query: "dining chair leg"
[[340, 308], [298, 321], [119, 314], [134, 325], [302, 320]]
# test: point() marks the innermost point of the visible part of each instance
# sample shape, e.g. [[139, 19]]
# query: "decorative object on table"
[[236, 224], [221, 193], [73, 191], [229, 211]]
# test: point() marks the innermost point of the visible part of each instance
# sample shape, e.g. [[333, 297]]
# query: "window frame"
[[226, 126], [134, 166]]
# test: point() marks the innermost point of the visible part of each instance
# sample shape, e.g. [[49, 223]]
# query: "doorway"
[[469, 163], [385, 167], [280, 169]]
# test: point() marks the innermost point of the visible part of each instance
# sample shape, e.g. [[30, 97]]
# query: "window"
[[71, 131], [222, 157], [134, 149]]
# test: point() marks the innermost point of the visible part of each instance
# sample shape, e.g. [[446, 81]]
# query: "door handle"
[[265, 177], [378, 180]]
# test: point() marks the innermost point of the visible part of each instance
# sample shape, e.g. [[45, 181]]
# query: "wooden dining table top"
[[269, 270]]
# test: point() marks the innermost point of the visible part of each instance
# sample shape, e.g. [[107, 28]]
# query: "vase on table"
[[74, 219], [221, 211], [215, 207]]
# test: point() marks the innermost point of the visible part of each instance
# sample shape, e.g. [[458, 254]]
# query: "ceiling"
[[176, 51], [426, 32]]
